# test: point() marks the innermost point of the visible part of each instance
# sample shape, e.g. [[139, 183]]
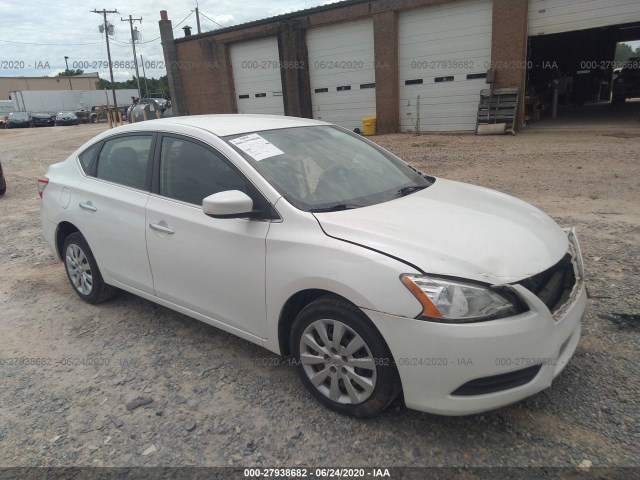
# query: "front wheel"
[[342, 359], [617, 99], [82, 271]]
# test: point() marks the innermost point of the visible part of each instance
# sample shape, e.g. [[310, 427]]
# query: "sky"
[[36, 35]]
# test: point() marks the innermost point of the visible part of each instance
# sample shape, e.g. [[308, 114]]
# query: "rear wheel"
[[82, 271], [342, 359]]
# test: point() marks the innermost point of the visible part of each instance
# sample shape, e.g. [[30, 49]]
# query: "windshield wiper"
[[410, 189], [336, 208]]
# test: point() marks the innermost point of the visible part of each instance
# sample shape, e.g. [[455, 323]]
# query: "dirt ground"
[[69, 369]]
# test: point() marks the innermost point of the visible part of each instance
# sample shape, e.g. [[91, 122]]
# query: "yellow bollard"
[[109, 118], [144, 114]]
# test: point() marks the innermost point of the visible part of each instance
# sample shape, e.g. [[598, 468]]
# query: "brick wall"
[[207, 78], [385, 34], [295, 76], [509, 46]]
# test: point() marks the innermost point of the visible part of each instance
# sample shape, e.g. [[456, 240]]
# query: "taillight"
[[42, 184]]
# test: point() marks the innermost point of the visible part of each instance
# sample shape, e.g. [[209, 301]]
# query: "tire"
[[83, 272], [617, 99], [358, 391]]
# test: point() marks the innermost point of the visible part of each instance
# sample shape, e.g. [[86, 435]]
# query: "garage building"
[[415, 65]]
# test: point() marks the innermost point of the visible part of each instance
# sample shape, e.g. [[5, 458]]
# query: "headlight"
[[453, 301]]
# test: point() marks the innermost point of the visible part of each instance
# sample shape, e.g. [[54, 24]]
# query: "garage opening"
[[256, 76], [584, 77], [342, 74]]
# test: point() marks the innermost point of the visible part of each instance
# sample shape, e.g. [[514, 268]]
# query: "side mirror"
[[229, 204]]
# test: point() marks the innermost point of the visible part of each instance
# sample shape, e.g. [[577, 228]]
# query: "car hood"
[[456, 229]]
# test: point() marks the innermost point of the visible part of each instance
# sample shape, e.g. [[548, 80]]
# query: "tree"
[[624, 51], [70, 72], [154, 85]]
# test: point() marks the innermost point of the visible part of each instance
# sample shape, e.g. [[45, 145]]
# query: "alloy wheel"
[[338, 362], [79, 269]]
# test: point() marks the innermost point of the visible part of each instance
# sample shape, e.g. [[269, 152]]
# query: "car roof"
[[229, 124]]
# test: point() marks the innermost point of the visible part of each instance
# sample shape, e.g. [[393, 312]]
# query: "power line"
[[221, 26], [102, 40], [139, 43], [57, 33], [157, 38], [182, 21], [47, 44]]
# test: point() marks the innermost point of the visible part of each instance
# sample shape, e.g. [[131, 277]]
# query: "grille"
[[554, 285]]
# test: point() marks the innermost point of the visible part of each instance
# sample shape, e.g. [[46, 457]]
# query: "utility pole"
[[106, 34], [66, 62], [198, 17], [144, 74], [133, 42]]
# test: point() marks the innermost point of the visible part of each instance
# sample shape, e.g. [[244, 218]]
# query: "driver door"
[[215, 267]]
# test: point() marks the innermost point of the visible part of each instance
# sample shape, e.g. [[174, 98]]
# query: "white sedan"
[[315, 243]]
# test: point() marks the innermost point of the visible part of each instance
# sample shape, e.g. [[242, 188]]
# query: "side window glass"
[[124, 160], [86, 157], [190, 172]]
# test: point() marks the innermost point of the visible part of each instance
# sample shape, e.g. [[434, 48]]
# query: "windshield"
[[325, 168], [18, 116], [65, 114]]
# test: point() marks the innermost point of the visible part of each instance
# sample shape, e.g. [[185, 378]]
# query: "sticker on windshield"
[[256, 147]]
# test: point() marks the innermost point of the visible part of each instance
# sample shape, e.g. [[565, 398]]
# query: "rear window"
[[86, 158], [124, 160]]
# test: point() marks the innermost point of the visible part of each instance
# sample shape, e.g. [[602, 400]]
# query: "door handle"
[[161, 228], [88, 206]]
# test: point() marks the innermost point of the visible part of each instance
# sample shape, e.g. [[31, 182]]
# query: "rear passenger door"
[[110, 208]]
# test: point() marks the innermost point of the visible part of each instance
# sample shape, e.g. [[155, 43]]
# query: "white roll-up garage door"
[[342, 72], [256, 76], [556, 16], [444, 52]]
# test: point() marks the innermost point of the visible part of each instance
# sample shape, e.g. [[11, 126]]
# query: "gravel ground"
[[217, 400]]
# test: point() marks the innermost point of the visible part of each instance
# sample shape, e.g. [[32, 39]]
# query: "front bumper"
[[43, 123], [435, 360]]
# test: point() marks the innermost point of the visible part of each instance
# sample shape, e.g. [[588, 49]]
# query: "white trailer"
[[53, 101], [6, 107]]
